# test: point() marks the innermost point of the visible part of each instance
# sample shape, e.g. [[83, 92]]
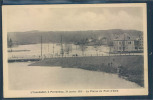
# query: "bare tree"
[[110, 44], [67, 48], [10, 43], [83, 43], [96, 48]]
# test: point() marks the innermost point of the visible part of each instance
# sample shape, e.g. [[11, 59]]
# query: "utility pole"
[[62, 52], [48, 46], [53, 48], [124, 43], [41, 46]]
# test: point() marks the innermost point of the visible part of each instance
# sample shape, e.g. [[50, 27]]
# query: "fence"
[[23, 57]]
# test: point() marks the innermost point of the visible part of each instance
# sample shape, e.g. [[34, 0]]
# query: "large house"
[[127, 43]]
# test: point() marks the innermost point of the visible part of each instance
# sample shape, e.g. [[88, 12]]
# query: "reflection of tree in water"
[[96, 48], [83, 48], [82, 45], [68, 48]]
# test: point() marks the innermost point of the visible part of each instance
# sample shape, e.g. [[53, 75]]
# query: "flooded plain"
[[24, 77]]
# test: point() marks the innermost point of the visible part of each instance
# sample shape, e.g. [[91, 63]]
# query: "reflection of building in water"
[[127, 43]]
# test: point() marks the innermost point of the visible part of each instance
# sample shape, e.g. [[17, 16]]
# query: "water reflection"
[[49, 50]]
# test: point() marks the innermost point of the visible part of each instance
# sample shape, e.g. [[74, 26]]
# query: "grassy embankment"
[[131, 66]]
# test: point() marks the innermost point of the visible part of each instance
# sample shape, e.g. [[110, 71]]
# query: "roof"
[[125, 37]]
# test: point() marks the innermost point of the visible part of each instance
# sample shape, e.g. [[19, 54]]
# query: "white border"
[[121, 92]]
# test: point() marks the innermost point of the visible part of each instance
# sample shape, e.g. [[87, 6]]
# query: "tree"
[[82, 45], [10, 43], [67, 48], [96, 48], [110, 44]]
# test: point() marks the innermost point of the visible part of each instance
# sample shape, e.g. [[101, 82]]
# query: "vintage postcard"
[[72, 50]]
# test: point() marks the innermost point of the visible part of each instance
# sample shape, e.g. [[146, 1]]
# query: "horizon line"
[[74, 30]]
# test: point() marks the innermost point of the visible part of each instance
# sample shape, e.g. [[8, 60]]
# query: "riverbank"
[[131, 67]]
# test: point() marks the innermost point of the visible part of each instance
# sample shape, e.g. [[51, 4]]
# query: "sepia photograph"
[[75, 50]]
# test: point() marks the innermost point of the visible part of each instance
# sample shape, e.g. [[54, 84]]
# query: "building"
[[139, 43], [127, 43], [104, 41]]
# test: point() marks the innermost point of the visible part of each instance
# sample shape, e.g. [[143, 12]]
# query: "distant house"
[[104, 41], [127, 43], [92, 41], [98, 41], [139, 43]]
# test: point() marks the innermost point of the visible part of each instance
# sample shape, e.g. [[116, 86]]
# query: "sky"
[[74, 19]]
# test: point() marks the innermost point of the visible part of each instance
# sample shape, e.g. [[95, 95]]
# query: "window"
[[129, 42]]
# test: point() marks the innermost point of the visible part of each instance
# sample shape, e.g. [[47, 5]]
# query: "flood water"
[[48, 50], [24, 77]]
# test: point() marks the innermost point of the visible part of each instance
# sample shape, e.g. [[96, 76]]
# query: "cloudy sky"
[[71, 19]]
